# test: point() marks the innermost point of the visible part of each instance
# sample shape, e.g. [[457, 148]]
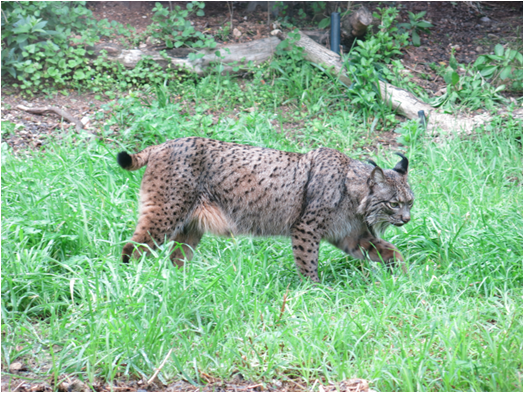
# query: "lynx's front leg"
[[305, 250], [376, 249]]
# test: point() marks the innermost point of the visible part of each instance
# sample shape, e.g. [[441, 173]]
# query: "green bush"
[[504, 64], [46, 46], [416, 25], [365, 63], [466, 87], [35, 40], [175, 29]]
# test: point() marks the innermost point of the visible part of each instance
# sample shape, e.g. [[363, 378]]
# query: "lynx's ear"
[[376, 177], [402, 165]]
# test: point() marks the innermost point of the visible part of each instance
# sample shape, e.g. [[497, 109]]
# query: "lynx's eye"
[[394, 205]]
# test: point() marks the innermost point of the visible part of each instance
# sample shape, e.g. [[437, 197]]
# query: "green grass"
[[453, 324]]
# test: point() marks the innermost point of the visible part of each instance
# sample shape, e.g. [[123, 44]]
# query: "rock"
[[355, 385], [153, 41], [16, 367], [111, 49], [236, 33], [485, 19], [479, 49], [74, 385], [41, 387]]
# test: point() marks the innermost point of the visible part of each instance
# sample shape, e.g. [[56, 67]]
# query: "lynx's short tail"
[[132, 162]]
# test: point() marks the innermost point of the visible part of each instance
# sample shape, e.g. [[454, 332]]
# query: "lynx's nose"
[[405, 218]]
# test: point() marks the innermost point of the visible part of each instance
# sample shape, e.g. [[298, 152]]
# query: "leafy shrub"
[[504, 64], [35, 36], [416, 25], [45, 46], [300, 81], [319, 8], [365, 62], [7, 128], [224, 32], [466, 87], [175, 29]]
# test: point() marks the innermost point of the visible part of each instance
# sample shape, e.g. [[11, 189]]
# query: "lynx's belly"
[[209, 217]]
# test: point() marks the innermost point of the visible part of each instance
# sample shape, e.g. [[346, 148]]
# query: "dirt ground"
[[471, 28], [236, 384]]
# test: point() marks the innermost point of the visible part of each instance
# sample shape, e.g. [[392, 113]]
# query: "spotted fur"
[[197, 185]]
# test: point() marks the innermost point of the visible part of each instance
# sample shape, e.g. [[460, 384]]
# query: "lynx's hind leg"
[[164, 210], [205, 217], [188, 239], [150, 231]]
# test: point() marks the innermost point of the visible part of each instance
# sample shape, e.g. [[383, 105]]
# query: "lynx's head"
[[389, 199]]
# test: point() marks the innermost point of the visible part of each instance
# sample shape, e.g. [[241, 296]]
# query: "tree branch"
[[60, 112]]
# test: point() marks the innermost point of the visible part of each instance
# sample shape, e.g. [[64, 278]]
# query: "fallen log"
[[230, 56], [235, 55], [60, 112], [402, 101], [238, 55]]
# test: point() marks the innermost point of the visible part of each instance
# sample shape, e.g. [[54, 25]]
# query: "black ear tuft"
[[372, 162], [402, 165], [124, 160]]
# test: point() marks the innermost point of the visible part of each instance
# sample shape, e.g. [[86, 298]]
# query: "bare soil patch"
[[236, 384]]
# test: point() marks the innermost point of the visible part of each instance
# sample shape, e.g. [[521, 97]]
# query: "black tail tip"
[[124, 160]]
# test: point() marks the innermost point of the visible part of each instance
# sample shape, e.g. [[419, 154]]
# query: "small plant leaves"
[[324, 23], [415, 38], [506, 72], [499, 50]]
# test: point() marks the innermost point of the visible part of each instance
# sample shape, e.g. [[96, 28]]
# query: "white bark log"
[[233, 55], [255, 51], [402, 101]]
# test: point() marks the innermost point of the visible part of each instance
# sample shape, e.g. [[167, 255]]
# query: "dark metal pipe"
[[335, 32], [422, 119]]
